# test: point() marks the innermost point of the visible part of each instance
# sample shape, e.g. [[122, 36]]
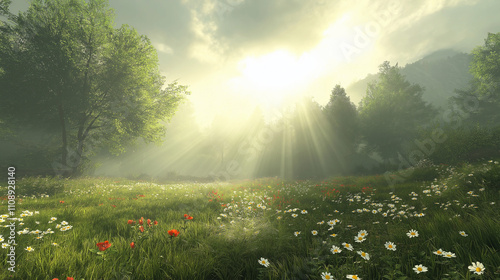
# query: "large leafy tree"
[[481, 101], [391, 112], [66, 69]]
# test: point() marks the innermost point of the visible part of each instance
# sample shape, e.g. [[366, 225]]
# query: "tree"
[[343, 120], [66, 69], [391, 112], [481, 101]]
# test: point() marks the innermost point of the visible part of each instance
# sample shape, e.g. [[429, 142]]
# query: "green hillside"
[[440, 73]]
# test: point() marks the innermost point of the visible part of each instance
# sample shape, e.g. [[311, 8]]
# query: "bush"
[[29, 186], [464, 144], [428, 173]]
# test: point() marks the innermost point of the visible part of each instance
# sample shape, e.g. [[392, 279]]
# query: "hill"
[[440, 73]]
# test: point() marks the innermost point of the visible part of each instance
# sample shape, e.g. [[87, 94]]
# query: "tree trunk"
[[64, 153]]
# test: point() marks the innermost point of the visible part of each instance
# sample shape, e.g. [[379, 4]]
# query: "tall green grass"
[[231, 229]]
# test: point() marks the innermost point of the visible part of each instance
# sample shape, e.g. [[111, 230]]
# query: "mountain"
[[440, 73]]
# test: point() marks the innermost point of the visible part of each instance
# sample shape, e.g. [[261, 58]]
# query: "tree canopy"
[[66, 69], [391, 112]]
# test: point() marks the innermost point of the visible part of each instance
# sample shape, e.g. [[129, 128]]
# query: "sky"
[[238, 54]]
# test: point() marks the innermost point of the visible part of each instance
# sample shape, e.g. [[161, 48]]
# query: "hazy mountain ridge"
[[440, 73]]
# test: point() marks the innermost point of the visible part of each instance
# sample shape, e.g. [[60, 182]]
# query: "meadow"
[[441, 222]]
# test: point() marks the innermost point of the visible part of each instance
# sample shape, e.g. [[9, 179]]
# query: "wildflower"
[[1, 238], [297, 233], [314, 232], [331, 223], [132, 245], [333, 235], [364, 255], [359, 239], [449, 255], [477, 268], [155, 223], [439, 252], [294, 215], [412, 233], [420, 268], [141, 221], [103, 245], [5, 246], [363, 233], [29, 249], [264, 262], [326, 276], [348, 246], [141, 228], [55, 244], [462, 233], [303, 212], [390, 246], [173, 232], [335, 250], [351, 276], [131, 222]]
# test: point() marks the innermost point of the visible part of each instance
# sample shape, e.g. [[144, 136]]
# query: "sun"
[[272, 78]]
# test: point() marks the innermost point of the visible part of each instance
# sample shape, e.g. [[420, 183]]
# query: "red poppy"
[[189, 218], [173, 232], [149, 222], [61, 201], [131, 222], [132, 245], [70, 278], [141, 221], [141, 228], [103, 245], [114, 206], [155, 223]]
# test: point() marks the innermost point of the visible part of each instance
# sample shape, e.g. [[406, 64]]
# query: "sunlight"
[[274, 77]]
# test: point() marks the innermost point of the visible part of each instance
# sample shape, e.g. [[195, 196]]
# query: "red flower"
[[103, 245], [70, 278], [141, 228], [155, 223], [132, 245], [114, 206], [131, 222], [61, 201], [173, 232], [188, 217], [141, 221], [149, 222]]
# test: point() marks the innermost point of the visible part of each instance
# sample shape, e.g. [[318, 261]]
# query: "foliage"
[[343, 121], [481, 100], [391, 112], [464, 143], [68, 71]]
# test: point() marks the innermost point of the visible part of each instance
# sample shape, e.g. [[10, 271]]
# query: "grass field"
[[228, 230]]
